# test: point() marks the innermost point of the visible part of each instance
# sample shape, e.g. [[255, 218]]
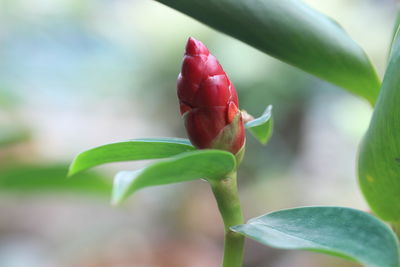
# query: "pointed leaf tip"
[[121, 185], [262, 127]]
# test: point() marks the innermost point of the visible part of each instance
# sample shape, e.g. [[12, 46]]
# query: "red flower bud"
[[208, 101]]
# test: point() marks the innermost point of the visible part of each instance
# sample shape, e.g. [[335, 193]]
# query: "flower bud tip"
[[195, 47]]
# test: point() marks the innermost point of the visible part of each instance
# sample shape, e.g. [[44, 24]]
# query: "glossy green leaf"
[[293, 32], [39, 179], [262, 126], [379, 157], [205, 164], [342, 232], [138, 149]]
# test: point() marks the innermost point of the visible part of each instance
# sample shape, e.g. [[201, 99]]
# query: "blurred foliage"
[[51, 178], [13, 135]]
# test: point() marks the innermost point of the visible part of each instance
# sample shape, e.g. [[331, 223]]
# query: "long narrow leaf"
[[292, 32], [138, 149], [379, 158]]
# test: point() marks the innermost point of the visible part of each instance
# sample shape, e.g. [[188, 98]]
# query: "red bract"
[[208, 101]]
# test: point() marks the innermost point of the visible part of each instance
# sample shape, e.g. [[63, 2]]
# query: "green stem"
[[226, 194]]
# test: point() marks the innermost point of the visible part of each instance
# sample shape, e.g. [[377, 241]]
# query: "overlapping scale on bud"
[[208, 101]]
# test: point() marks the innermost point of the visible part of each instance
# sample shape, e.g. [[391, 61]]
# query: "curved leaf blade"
[[138, 149], [379, 157], [262, 127], [338, 231], [290, 31], [206, 164]]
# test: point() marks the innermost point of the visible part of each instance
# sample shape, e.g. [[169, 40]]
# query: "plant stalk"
[[227, 197]]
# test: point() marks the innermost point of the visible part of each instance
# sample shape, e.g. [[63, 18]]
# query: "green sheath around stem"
[[227, 197]]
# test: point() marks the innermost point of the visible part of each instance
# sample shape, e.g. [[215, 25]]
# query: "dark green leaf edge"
[[129, 150]]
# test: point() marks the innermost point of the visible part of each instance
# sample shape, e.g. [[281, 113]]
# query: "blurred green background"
[[77, 74]]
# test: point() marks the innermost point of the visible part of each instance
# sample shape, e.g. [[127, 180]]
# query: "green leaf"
[[39, 179], [206, 164], [342, 232], [293, 32], [138, 149], [262, 126], [379, 157], [396, 27]]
